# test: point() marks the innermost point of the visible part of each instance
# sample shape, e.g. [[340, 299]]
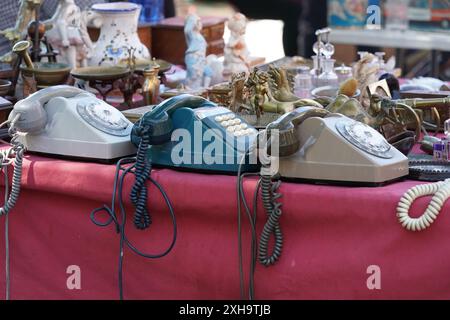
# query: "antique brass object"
[[351, 108], [100, 73], [281, 85], [238, 94], [220, 94], [420, 106], [21, 48], [261, 97], [142, 64], [27, 11], [430, 104], [150, 87], [45, 73], [386, 111]]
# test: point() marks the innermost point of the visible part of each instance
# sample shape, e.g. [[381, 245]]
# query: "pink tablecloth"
[[332, 235]]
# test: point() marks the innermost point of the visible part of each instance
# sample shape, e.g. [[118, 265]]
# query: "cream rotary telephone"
[[67, 121], [320, 146]]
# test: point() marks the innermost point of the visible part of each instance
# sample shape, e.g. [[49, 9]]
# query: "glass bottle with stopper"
[[343, 73], [303, 82], [328, 77], [323, 52]]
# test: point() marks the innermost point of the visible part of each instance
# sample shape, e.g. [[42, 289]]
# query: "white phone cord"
[[440, 191]]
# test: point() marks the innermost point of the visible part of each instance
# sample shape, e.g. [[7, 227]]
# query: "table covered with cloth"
[[338, 241]]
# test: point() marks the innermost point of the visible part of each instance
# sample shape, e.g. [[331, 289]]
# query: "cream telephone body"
[[68, 121], [323, 146]]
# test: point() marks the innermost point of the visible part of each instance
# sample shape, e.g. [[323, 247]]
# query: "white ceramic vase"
[[119, 31]]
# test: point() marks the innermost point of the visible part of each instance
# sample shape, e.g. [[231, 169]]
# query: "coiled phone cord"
[[10, 198], [138, 195], [142, 172], [18, 150], [270, 198], [120, 225], [440, 191]]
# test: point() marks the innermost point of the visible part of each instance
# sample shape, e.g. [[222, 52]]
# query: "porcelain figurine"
[[69, 34], [118, 32], [236, 56], [19, 31], [198, 72]]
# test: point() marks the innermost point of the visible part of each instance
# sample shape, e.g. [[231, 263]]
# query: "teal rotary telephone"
[[190, 132]]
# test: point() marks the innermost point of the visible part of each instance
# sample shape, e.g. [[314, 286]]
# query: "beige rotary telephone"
[[321, 146], [67, 121]]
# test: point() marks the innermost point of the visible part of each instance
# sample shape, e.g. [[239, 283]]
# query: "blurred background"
[[280, 28]]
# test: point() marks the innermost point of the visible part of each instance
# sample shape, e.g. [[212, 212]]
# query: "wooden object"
[[168, 40]]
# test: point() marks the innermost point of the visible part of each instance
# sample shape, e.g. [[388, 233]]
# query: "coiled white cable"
[[440, 191]]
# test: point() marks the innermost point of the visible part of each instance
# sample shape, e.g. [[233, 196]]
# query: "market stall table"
[[332, 235]]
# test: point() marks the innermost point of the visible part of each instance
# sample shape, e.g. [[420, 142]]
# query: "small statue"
[[237, 94], [258, 88], [198, 72], [281, 85], [19, 31], [236, 58], [69, 34]]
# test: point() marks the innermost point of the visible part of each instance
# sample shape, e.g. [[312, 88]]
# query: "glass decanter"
[[303, 82], [328, 77], [316, 70]]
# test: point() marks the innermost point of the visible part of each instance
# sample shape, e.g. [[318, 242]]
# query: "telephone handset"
[[33, 116], [158, 119], [286, 124], [67, 121]]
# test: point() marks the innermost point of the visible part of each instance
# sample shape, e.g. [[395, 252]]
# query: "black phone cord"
[[138, 195], [120, 225], [270, 196]]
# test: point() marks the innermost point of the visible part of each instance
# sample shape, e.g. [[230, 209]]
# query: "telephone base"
[[198, 169], [342, 183], [78, 158]]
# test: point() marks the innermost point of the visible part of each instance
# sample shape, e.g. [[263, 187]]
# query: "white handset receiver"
[[67, 121]]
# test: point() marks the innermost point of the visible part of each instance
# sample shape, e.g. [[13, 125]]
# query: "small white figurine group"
[[202, 69], [69, 33]]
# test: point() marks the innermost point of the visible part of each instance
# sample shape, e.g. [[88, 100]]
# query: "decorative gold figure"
[[237, 96], [258, 88], [281, 85]]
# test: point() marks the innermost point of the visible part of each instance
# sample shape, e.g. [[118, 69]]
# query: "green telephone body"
[[190, 132]]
